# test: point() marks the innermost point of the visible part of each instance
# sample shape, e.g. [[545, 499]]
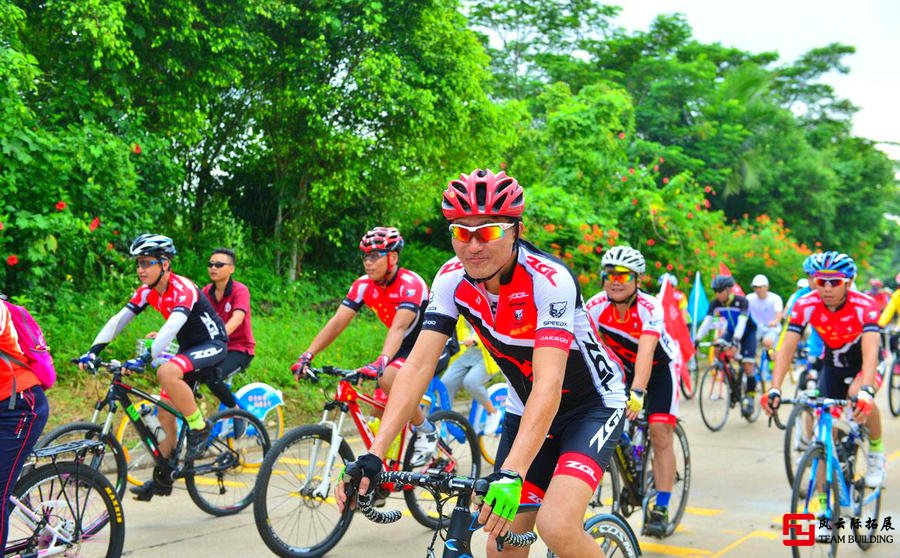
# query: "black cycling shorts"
[[580, 444]]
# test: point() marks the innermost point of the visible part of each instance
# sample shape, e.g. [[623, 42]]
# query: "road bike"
[[831, 476], [722, 387], [65, 508], [295, 511], [611, 532], [628, 484], [488, 432], [220, 482]]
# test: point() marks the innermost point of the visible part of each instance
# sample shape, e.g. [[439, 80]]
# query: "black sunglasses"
[[217, 265]]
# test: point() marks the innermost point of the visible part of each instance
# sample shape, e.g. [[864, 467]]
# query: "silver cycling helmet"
[[624, 256]]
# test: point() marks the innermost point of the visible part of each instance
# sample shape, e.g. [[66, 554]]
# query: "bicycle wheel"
[[894, 387], [457, 453], [293, 506], [488, 442], [715, 398], [688, 391], [111, 461], [809, 483], [682, 484], [799, 433], [606, 497], [274, 422], [139, 461], [83, 515], [221, 481], [865, 502], [760, 388], [614, 536]]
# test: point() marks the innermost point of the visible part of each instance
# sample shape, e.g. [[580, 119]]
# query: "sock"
[[662, 499], [876, 446], [195, 420], [425, 428]]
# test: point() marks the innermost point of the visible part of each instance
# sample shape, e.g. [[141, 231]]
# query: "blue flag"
[[698, 305]]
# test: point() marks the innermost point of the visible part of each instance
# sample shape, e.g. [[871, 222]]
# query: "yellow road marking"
[[751, 535], [702, 511], [214, 482], [671, 550], [894, 456]]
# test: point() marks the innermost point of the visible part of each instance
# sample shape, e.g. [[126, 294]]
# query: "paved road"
[[738, 495]]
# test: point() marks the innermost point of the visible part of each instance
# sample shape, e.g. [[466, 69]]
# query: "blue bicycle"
[[831, 475]]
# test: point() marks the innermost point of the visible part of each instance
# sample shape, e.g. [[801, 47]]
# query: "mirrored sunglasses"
[[484, 233], [616, 277], [833, 282], [372, 256], [144, 264]]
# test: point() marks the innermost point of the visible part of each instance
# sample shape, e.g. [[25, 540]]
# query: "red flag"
[[723, 270], [677, 328]]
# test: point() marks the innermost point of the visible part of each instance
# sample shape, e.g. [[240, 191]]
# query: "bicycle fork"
[[324, 487]]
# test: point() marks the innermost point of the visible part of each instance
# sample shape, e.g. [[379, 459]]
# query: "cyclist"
[[398, 297], [848, 323], [201, 339], [814, 345], [231, 301], [879, 294], [567, 396], [23, 414], [766, 309], [631, 322], [740, 330], [892, 307]]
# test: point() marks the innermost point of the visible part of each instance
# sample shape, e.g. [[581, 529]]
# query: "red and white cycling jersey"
[[539, 305], [839, 329], [405, 291], [645, 317], [182, 295]]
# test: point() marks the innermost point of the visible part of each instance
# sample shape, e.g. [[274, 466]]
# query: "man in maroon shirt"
[[231, 301]]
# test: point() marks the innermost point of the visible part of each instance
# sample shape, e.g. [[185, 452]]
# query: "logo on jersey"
[[228, 307], [518, 314], [410, 292], [557, 309], [518, 295], [578, 466], [212, 351], [606, 430], [542, 268]]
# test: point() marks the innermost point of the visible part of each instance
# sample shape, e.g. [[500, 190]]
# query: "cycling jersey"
[[236, 296], [731, 311], [814, 346], [842, 329], [644, 317], [182, 295], [405, 291], [892, 307], [539, 305]]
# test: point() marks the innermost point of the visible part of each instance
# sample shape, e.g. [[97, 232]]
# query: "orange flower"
[[549, 227]]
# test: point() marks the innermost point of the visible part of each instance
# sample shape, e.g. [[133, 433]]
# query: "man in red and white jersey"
[[567, 398], [398, 297], [847, 320], [191, 319], [631, 323]]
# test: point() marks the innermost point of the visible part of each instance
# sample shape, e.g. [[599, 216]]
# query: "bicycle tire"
[[894, 387], [277, 510], [53, 489], [278, 431], [715, 392], [865, 501], [116, 469], [458, 453], [682, 483], [614, 535], [236, 462], [796, 437], [606, 497], [802, 495]]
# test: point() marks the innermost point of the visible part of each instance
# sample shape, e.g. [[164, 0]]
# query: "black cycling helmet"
[[153, 245], [722, 282]]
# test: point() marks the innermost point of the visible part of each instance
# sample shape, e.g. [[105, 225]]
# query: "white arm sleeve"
[[739, 328], [704, 327], [114, 327], [167, 333]]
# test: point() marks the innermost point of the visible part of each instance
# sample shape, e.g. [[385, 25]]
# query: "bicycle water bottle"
[[625, 439], [637, 445], [393, 451]]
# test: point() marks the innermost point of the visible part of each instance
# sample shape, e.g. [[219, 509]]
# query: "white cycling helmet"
[[152, 245], [624, 256]]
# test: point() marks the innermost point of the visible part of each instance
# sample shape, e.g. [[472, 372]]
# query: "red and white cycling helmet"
[[483, 193], [381, 239]]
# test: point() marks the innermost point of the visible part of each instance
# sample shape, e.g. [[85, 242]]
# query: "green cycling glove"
[[504, 493]]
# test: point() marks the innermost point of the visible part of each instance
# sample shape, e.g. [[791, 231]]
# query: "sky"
[[793, 27]]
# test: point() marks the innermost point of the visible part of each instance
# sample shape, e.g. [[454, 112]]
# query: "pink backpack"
[[32, 343]]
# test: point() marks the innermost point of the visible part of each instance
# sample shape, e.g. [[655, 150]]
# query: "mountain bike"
[[722, 387], [831, 475], [220, 482], [295, 512], [260, 399], [437, 397], [65, 508], [629, 486]]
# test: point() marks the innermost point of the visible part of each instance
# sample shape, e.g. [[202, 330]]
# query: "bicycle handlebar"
[[442, 483], [823, 402], [343, 373], [111, 365]]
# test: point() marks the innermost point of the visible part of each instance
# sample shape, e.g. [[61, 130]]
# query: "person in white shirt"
[[766, 309]]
